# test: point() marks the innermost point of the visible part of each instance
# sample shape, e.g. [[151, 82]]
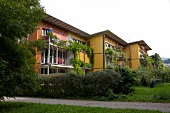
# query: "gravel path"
[[164, 107]]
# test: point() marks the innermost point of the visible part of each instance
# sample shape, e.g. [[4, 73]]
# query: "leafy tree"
[[17, 19], [146, 61], [157, 62]]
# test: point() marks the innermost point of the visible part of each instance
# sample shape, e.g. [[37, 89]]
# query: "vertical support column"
[[103, 52], [48, 69], [62, 57], [56, 55], [44, 56], [52, 57], [84, 61]]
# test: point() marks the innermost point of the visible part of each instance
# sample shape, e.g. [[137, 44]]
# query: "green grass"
[[16, 107], [160, 93]]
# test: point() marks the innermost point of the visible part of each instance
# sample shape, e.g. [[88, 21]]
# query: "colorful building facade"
[[54, 59]]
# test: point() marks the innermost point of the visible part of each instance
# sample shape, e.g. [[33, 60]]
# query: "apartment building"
[[136, 50], [100, 42], [54, 59]]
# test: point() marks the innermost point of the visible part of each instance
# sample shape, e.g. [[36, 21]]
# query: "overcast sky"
[[131, 20]]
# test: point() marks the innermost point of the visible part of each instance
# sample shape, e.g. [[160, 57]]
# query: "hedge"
[[88, 86]]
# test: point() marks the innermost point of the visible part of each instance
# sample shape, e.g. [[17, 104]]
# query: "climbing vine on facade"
[[116, 57], [75, 48]]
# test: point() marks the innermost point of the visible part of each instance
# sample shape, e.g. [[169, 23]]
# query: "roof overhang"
[[112, 36], [56, 22], [142, 43]]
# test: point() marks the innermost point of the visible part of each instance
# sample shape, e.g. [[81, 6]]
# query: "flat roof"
[[143, 43], [112, 36], [56, 22]]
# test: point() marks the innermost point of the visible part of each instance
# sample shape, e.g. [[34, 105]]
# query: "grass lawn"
[[161, 93], [16, 107]]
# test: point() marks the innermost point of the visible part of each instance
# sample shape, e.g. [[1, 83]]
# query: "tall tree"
[[17, 19], [157, 62]]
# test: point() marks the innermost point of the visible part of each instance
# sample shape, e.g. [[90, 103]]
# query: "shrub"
[[128, 79], [144, 75], [94, 84], [164, 75], [98, 83]]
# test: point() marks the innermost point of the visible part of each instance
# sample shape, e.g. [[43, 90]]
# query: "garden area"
[[17, 107], [121, 84], [150, 83]]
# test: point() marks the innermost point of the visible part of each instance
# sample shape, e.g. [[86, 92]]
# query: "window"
[[44, 56], [43, 70], [107, 45], [44, 32], [61, 57], [78, 41]]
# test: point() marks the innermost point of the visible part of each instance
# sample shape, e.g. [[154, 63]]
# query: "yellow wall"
[[96, 42], [110, 41], [135, 57], [77, 37], [84, 57]]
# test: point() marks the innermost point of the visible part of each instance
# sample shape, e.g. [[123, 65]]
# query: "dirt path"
[[164, 107]]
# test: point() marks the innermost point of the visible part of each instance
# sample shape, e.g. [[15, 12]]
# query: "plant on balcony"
[[76, 48], [117, 57], [109, 51]]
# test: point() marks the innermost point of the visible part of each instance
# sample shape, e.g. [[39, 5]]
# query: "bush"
[[98, 83], [164, 74], [144, 75], [94, 84], [128, 79]]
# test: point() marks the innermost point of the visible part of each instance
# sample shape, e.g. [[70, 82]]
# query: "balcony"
[[57, 56]]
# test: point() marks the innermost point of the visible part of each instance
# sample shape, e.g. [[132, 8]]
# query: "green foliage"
[[18, 18], [24, 18], [20, 107], [146, 61], [157, 62], [17, 70], [147, 94], [109, 51], [128, 79], [162, 96], [39, 44], [73, 85], [76, 48], [144, 76], [117, 57], [164, 75]]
